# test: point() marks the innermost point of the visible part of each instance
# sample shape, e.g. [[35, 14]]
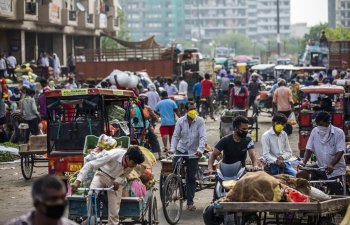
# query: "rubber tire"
[[179, 186], [153, 211], [162, 179], [27, 165]]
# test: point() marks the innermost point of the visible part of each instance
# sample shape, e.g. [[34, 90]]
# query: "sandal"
[[165, 149], [191, 208]]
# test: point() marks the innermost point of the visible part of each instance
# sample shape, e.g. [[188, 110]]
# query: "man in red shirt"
[[238, 96], [207, 85]]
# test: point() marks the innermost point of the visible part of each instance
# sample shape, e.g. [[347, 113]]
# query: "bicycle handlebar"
[[306, 168], [182, 155]]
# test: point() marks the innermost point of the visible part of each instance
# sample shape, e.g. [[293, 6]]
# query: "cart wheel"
[[173, 199], [27, 164], [153, 211], [162, 179]]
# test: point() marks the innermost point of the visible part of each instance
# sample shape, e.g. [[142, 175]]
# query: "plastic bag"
[[292, 119]]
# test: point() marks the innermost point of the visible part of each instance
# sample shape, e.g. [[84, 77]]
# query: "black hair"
[[315, 82], [44, 183], [200, 78], [164, 94], [43, 82], [238, 82], [143, 99], [188, 104], [238, 120], [323, 117], [181, 78], [170, 81], [135, 154], [207, 76], [279, 118]]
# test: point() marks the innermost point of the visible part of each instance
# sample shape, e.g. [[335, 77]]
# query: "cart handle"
[[96, 189], [181, 155]]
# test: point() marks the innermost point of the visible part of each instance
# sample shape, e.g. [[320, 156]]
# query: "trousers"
[[101, 180]]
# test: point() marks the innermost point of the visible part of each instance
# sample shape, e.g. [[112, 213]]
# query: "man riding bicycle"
[[189, 138], [327, 142]]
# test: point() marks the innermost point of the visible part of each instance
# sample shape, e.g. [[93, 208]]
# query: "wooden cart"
[[321, 213], [33, 153]]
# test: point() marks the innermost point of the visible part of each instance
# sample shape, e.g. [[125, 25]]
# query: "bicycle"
[[174, 190], [321, 184]]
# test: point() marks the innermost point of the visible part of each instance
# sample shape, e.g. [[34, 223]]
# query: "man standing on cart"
[[189, 138], [111, 171], [327, 142]]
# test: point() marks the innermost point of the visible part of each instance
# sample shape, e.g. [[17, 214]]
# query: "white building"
[[299, 30]]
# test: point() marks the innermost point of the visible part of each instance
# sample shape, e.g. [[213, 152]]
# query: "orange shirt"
[[283, 97]]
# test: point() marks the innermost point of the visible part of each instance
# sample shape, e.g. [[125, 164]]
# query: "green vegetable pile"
[[9, 145], [7, 157]]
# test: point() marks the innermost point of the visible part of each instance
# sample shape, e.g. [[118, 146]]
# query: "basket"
[[167, 167]]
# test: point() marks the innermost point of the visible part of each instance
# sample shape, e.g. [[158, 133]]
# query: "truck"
[[96, 64], [339, 55], [333, 54]]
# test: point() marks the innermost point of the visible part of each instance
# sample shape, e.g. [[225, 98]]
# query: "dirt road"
[[15, 193]]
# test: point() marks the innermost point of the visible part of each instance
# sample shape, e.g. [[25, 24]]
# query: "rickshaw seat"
[[91, 142]]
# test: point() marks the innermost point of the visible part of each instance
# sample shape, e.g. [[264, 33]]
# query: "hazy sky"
[[311, 12]]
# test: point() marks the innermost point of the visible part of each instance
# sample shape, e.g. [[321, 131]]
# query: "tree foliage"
[[123, 33]]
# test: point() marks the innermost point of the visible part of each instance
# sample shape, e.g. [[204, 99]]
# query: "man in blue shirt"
[[197, 88], [167, 109]]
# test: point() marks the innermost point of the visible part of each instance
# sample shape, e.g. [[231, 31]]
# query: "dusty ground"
[[15, 196]]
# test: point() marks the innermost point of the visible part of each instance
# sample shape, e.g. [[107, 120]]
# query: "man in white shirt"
[[276, 149], [2, 66], [45, 65], [183, 87], [170, 88], [111, 170], [334, 72], [327, 142], [11, 66]]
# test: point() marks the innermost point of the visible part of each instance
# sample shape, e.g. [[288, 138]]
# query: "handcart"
[[227, 117], [322, 213], [133, 210], [181, 102], [31, 154]]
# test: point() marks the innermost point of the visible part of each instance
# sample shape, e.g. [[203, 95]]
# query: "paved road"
[[15, 191]]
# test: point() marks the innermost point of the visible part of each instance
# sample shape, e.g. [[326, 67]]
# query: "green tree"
[[340, 33], [123, 33]]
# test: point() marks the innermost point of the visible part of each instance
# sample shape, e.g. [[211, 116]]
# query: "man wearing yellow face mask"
[[189, 138], [277, 153]]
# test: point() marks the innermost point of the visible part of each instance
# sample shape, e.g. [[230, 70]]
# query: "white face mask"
[[324, 133]]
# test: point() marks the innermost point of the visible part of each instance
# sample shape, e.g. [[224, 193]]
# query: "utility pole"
[[278, 29]]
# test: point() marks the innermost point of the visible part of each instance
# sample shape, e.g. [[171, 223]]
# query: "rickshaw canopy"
[[286, 67], [263, 66], [323, 89], [89, 91]]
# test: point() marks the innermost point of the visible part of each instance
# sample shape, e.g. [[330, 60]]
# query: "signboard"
[[6, 5], [118, 92], [74, 92], [103, 20], [54, 11]]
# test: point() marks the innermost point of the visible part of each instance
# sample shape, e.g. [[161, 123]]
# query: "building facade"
[[339, 13], [55, 26], [205, 19], [299, 30], [161, 18]]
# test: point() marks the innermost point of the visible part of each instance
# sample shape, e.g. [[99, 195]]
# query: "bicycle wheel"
[[173, 199], [162, 179], [153, 212], [27, 164]]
